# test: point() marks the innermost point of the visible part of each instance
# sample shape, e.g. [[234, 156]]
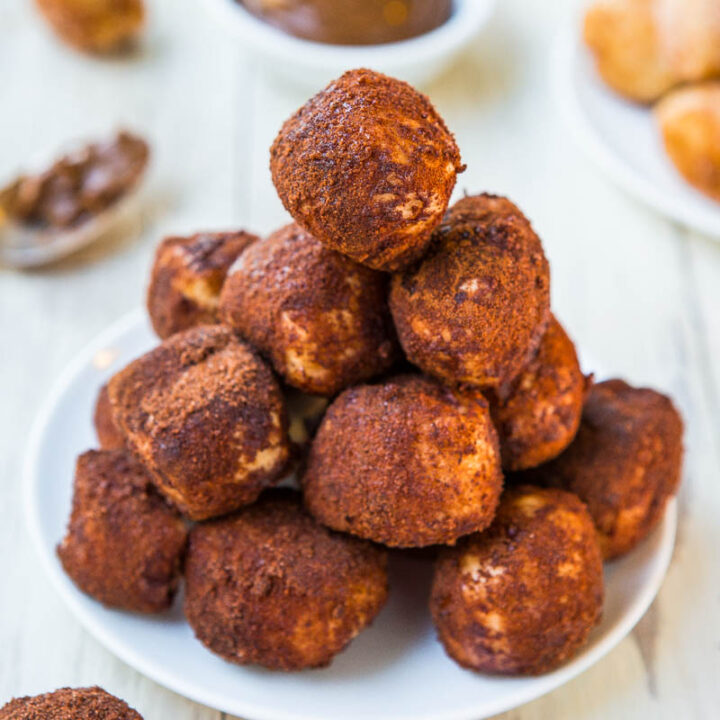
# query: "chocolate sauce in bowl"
[[352, 22]]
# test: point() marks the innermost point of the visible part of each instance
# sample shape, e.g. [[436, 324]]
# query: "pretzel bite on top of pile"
[[367, 166]]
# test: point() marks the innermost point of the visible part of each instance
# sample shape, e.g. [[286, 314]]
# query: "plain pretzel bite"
[[689, 122], [475, 308], [206, 416], [124, 544], [367, 166], [644, 48], [269, 586], [406, 463], [625, 462], [321, 319], [187, 276], [624, 39], [541, 414], [522, 597]]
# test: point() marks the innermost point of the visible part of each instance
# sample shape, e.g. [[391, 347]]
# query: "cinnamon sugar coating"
[[108, 433], [206, 416], [406, 463], [187, 276], [321, 319], [625, 462], [476, 307], [521, 597], [271, 587], [541, 414], [124, 544], [91, 703], [367, 166]]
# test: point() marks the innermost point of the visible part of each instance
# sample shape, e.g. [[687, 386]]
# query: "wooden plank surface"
[[640, 296]]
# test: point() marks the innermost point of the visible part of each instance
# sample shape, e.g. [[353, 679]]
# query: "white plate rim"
[[564, 59], [541, 685]]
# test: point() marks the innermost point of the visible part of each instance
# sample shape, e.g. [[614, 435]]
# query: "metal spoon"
[[25, 246]]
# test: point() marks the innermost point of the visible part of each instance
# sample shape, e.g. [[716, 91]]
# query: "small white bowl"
[[313, 64]]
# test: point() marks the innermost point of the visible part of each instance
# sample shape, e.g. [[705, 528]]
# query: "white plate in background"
[[396, 670], [623, 138]]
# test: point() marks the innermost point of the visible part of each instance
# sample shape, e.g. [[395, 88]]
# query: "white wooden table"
[[639, 294]]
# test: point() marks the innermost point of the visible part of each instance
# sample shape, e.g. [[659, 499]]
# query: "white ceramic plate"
[[396, 669], [623, 139], [312, 65]]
